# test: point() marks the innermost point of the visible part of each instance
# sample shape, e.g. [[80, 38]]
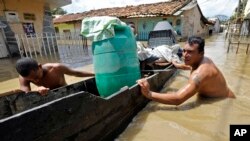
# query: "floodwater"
[[199, 119]]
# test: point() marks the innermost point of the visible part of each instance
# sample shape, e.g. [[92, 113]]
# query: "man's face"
[[191, 54], [35, 75]]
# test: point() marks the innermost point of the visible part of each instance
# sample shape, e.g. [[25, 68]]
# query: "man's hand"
[[145, 88], [174, 62], [42, 90]]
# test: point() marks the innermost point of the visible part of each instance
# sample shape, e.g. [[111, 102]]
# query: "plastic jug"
[[115, 61]]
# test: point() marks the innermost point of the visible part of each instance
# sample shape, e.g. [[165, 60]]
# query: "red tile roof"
[[144, 10]]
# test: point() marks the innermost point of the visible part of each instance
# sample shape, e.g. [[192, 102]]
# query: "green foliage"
[[233, 17], [239, 11], [58, 11]]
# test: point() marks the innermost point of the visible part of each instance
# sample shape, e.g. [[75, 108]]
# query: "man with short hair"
[[47, 76], [205, 79]]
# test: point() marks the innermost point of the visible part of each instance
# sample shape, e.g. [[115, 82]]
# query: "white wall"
[[192, 25]]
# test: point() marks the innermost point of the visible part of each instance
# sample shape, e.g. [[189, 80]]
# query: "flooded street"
[[199, 119]]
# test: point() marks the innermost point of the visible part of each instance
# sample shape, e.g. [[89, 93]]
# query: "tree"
[[58, 11]]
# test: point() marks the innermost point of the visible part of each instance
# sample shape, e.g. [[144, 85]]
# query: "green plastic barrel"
[[115, 61]]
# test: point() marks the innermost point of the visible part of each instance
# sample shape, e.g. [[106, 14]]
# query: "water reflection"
[[199, 119]]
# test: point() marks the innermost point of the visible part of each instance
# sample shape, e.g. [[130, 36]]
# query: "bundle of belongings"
[[161, 54]]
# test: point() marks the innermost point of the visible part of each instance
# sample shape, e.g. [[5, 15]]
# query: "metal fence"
[[68, 47], [236, 41], [142, 36]]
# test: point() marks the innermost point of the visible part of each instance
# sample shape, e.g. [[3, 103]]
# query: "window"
[[67, 33], [29, 29], [29, 16], [178, 22], [12, 16], [57, 29]]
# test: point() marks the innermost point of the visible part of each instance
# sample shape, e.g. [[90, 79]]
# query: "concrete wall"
[[42, 21], [217, 26], [72, 27], [21, 7], [192, 25]]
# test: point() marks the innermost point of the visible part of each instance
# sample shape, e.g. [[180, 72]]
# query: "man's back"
[[212, 83]]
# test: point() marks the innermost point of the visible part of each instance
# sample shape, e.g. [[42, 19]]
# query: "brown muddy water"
[[198, 119]]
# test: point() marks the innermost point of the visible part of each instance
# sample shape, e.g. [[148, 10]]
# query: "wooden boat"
[[73, 113]]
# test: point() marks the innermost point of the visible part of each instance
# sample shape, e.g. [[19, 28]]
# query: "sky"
[[209, 8]]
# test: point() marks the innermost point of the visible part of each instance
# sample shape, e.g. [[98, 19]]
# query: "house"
[[245, 28], [70, 23], [24, 17], [184, 15], [216, 27]]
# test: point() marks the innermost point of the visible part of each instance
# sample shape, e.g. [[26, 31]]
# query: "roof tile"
[[144, 10]]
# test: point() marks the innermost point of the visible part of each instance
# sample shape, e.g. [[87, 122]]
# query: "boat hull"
[[74, 112]]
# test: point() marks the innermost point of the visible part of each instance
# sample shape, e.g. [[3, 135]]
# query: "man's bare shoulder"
[[205, 66], [200, 74], [52, 66], [205, 70], [207, 60]]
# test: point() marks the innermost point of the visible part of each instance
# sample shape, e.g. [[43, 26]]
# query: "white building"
[[216, 27]]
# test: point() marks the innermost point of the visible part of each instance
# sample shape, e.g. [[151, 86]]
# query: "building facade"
[[26, 17], [184, 15]]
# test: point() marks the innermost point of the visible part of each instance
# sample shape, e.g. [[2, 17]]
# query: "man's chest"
[[51, 81]]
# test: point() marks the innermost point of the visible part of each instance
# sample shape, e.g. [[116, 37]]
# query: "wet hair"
[[25, 65], [197, 40]]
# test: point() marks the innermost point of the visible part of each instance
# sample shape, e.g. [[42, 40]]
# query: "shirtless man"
[[205, 79], [47, 76]]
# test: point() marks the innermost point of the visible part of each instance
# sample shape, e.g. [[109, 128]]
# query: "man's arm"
[[172, 98], [181, 66], [72, 72], [24, 85]]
